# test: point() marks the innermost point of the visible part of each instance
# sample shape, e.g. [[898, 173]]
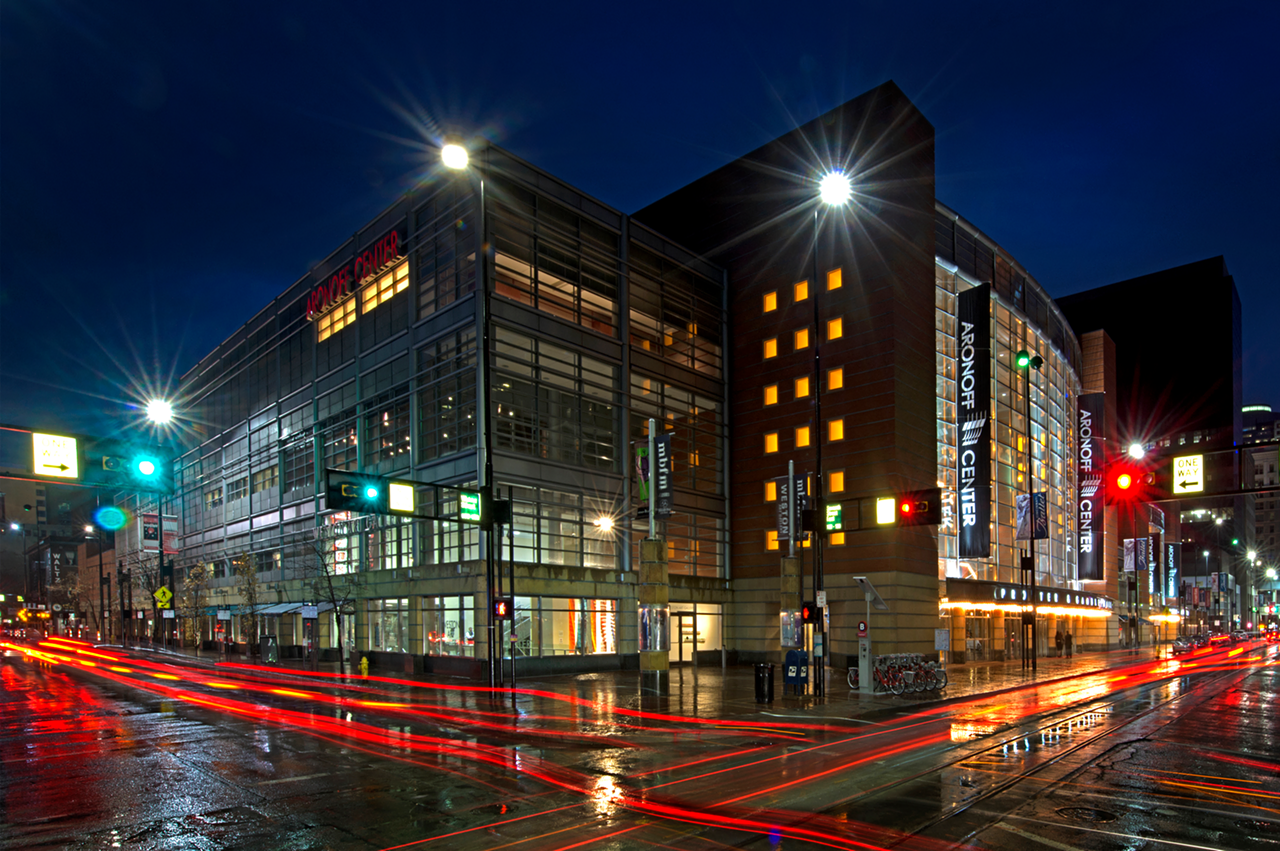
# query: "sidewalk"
[[714, 692]]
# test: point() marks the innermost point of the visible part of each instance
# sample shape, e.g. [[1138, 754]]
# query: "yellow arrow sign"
[[163, 597]]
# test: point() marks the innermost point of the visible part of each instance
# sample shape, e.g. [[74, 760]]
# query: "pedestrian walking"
[[1068, 642], [1057, 640]]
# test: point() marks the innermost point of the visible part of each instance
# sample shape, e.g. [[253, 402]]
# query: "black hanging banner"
[[1091, 464], [973, 432]]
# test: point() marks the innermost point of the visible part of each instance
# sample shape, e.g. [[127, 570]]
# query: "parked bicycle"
[[899, 673]]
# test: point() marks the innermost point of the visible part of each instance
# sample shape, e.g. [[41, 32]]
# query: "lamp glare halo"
[[159, 411], [454, 156], [835, 189]]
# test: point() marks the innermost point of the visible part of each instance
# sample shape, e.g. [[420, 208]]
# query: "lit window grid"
[[1052, 428], [383, 287], [336, 319]]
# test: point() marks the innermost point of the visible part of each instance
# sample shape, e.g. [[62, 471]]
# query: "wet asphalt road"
[[175, 755]]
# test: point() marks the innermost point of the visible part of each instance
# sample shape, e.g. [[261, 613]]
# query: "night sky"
[[168, 168]]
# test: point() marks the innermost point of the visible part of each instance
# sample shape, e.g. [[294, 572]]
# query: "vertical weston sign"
[[973, 429], [1090, 467]]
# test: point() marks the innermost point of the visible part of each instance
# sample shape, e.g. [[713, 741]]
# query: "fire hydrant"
[[364, 666]]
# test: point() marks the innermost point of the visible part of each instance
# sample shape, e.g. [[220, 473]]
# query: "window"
[[835, 328], [770, 301], [771, 394], [802, 387], [836, 539], [553, 403], [389, 625], [238, 488], [835, 481], [770, 446], [835, 378], [266, 479], [384, 287], [835, 430], [771, 539], [802, 436], [336, 319], [802, 339], [447, 398], [771, 348], [802, 291], [771, 491], [213, 498], [835, 280]]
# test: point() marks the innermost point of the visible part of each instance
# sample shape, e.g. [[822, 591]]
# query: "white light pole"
[[834, 190]]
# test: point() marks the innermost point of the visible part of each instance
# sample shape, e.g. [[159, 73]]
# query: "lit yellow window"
[[835, 378], [835, 328], [837, 539], [384, 287], [692, 328], [802, 290], [835, 280], [802, 339], [835, 429], [771, 394], [693, 459], [802, 436], [770, 491], [771, 348], [770, 301], [336, 319], [667, 339], [771, 442], [671, 551], [771, 539], [835, 481], [802, 387], [807, 540]]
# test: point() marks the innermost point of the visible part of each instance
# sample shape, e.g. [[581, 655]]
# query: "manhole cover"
[[1086, 814], [1257, 826]]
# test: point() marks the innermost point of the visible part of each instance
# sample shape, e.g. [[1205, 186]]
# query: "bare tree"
[[328, 576], [250, 590], [191, 602], [78, 591]]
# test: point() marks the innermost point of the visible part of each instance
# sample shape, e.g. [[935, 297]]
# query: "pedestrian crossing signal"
[[504, 608], [920, 508]]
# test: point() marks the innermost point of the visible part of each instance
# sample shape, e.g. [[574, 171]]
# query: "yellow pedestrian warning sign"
[[163, 597]]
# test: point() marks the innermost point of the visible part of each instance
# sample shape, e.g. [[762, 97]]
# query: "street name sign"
[[1188, 474]]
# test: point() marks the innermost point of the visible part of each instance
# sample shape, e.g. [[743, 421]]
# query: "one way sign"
[[1188, 474]]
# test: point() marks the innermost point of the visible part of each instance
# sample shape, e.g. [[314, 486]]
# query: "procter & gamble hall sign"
[[363, 265]]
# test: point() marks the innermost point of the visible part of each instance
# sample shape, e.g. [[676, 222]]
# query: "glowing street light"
[[454, 156], [1137, 451], [835, 189], [604, 524], [160, 411]]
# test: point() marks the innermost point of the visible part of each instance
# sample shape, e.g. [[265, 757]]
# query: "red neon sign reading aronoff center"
[[363, 266]]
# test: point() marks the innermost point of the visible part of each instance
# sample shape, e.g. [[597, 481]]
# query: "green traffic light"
[[1024, 357], [146, 466], [370, 492]]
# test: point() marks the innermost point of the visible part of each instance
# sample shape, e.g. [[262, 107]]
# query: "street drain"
[[1257, 826], [1086, 814]]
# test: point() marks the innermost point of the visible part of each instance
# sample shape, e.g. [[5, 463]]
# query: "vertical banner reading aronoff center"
[[1091, 469], [973, 432]]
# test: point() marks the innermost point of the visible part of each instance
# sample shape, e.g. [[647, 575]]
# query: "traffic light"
[[1128, 481], [347, 491], [504, 608], [810, 612], [920, 508], [129, 467]]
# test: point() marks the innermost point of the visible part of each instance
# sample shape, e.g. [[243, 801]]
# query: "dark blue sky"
[[167, 168]]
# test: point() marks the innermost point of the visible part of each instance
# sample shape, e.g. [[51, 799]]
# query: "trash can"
[[764, 682]]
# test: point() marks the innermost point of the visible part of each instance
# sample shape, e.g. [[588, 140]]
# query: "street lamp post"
[[455, 156], [1027, 362], [834, 190]]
